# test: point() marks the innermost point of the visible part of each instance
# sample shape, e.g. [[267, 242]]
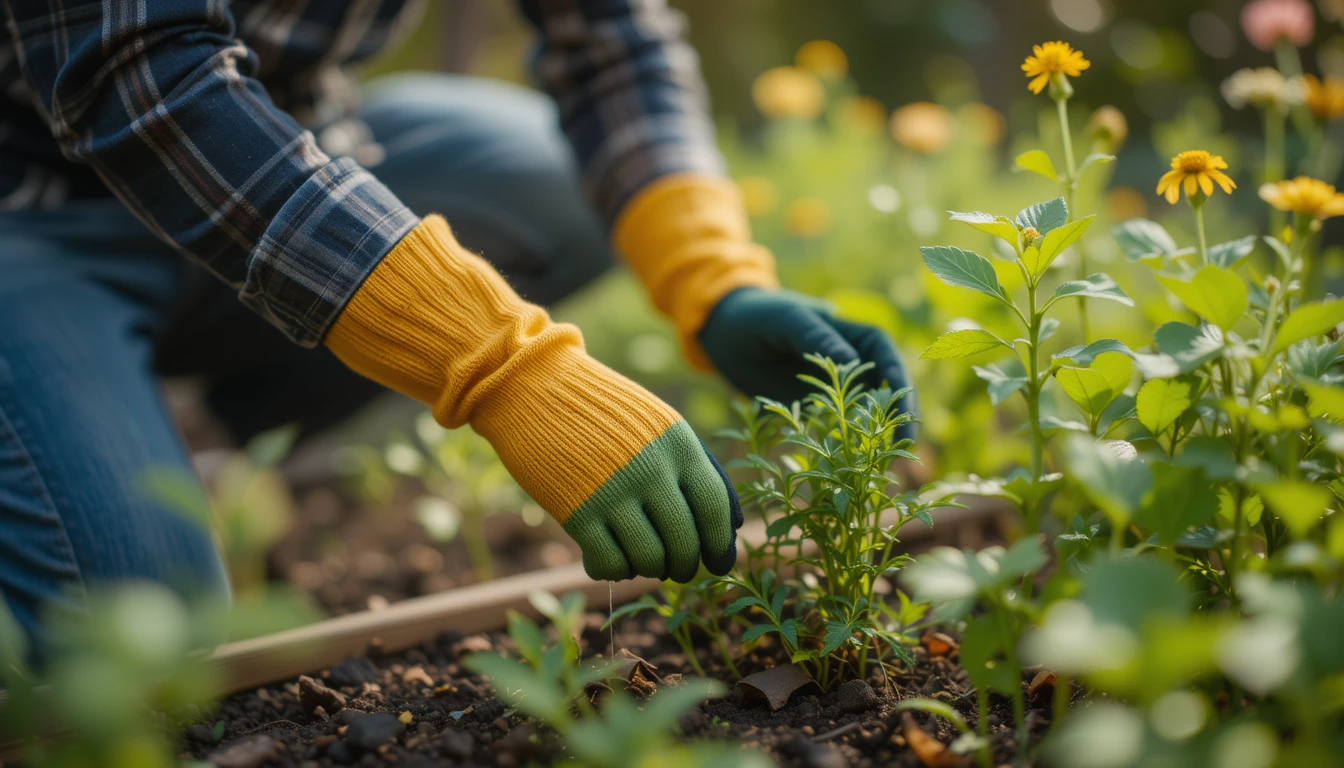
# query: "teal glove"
[[757, 339]]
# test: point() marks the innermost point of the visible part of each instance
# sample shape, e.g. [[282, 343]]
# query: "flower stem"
[[1034, 410], [1070, 196], [1290, 64], [1197, 203], [1063, 695]]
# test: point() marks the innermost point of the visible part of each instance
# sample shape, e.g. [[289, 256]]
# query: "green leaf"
[[1097, 158], [837, 634], [984, 656], [678, 618], [1097, 286], [1161, 402], [1215, 294], [1037, 161], [1284, 252], [1300, 505], [1045, 216], [1142, 239], [1086, 387], [1038, 258], [742, 603], [962, 344], [1001, 227], [756, 631], [1025, 556], [1003, 379], [1130, 592], [1180, 499], [1324, 400], [1110, 473], [789, 629], [1083, 356], [669, 703], [958, 267], [1229, 255], [1181, 348], [268, 448], [1308, 321]]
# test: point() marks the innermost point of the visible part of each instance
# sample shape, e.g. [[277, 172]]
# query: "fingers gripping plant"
[[1094, 376], [832, 508]]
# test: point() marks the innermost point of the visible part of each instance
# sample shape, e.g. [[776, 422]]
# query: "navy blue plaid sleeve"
[[631, 98], [160, 99]]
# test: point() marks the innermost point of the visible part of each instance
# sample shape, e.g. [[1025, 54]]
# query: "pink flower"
[[1266, 22]]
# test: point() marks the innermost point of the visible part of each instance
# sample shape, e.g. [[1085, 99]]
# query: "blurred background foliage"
[[844, 190]]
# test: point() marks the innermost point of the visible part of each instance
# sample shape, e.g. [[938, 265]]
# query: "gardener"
[[136, 133]]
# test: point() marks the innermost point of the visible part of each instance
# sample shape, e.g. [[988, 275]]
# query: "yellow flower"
[[922, 126], [865, 114], [788, 92], [1325, 99], [759, 196], [1305, 196], [808, 217], [1197, 170], [1050, 59], [823, 58]]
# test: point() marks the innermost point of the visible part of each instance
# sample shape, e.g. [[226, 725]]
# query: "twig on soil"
[[841, 731]]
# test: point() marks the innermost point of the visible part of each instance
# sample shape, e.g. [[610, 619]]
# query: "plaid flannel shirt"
[[195, 114]]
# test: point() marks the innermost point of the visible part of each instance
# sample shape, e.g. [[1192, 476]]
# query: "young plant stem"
[[1062, 699], [1070, 196], [1290, 64], [1197, 203], [478, 548], [683, 636], [1033, 393]]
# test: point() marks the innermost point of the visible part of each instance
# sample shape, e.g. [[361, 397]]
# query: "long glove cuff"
[[687, 238]]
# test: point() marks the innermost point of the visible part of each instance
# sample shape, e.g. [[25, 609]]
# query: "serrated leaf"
[[1230, 254], [1097, 286], [742, 603], [1142, 239], [963, 343], [1039, 162], [1215, 294], [1038, 258], [1161, 402], [1110, 473], [1045, 216], [1001, 227], [1083, 356], [1308, 321], [789, 629], [958, 267], [1181, 348], [837, 634], [675, 621]]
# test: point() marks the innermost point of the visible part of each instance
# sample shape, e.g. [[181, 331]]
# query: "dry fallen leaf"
[[930, 751], [629, 672], [777, 684], [939, 644], [1041, 680]]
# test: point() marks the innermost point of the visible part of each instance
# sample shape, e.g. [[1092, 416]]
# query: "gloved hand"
[[758, 338], [687, 238], [620, 470]]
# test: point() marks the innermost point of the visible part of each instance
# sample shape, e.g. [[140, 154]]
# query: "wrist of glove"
[[758, 339], [619, 469]]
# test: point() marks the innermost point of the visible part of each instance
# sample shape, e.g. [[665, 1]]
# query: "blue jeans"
[[93, 310]]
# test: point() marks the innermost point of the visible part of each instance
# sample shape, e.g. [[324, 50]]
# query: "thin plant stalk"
[[1197, 204], [1070, 196], [1290, 64], [1062, 699], [1034, 409], [1276, 158]]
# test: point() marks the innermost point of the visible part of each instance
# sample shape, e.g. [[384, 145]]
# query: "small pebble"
[[247, 752], [406, 718], [340, 752], [856, 696], [372, 731], [457, 744], [352, 673]]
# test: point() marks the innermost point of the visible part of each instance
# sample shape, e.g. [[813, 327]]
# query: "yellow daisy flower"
[[923, 126], [1306, 196], [1050, 59], [1197, 170], [1325, 98]]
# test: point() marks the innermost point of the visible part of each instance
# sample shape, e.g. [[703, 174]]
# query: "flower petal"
[[1224, 181], [1206, 183], [1174, 193], [1191, 185]]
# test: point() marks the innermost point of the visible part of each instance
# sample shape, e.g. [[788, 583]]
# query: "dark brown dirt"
[[455, 718]]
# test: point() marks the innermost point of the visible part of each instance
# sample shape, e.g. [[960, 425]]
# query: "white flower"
[[1263, 88]]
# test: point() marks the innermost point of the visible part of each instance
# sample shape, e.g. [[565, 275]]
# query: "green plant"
[[688, 608], [547, 682]]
